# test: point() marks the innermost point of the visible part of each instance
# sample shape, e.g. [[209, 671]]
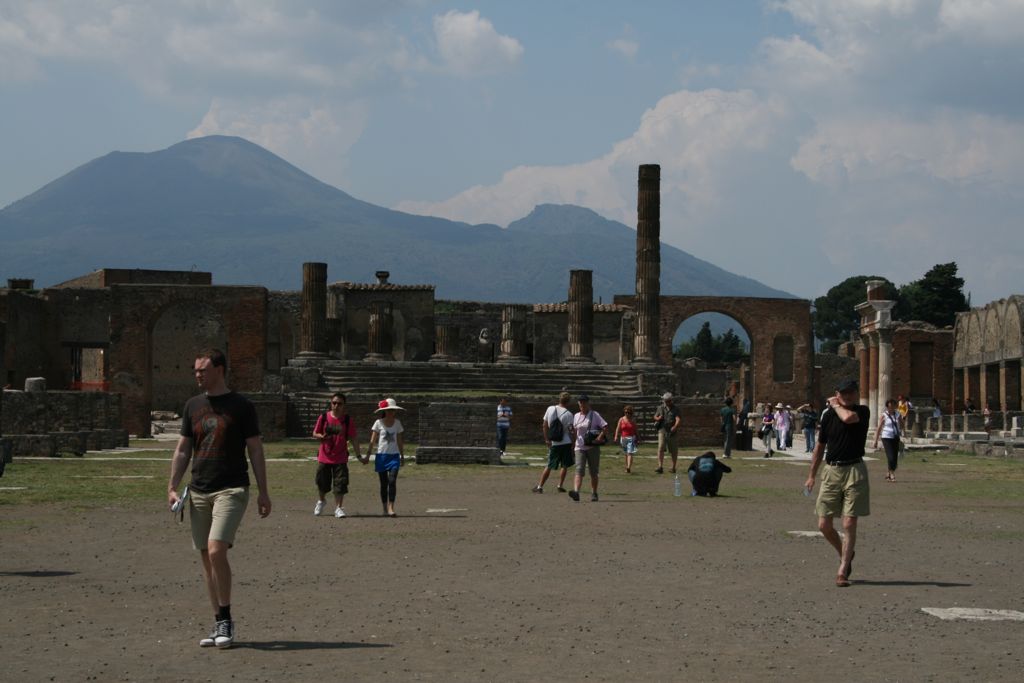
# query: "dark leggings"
[[388, 486], [892, 452]]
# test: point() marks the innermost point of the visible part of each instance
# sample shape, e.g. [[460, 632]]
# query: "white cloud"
[[625, 47], [469, 44], [313, 136], [693, 135]]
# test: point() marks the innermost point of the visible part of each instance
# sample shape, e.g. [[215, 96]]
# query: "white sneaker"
[[338, 512], [319, 508], [225, 634]]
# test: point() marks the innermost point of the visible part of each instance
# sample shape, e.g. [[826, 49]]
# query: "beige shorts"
[[844, 491], [668, 442], [216, 516]]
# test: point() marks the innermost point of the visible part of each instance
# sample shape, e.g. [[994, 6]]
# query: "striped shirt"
[[504, 413]]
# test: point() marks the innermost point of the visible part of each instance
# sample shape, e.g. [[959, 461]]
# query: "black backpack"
[[556, 430]]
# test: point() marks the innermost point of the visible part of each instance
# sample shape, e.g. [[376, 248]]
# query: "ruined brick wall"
[[30, 339], [412, 312], [59, 411], [703, 381], [284, 312], [82, 315], [106, 277], [136, 312], [941, 370], [834, 368], [771, 324]]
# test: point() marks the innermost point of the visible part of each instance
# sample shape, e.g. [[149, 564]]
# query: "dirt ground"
[[478, 579]]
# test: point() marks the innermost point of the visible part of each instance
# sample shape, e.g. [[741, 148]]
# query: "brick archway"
[[134, 312], [765, 321]]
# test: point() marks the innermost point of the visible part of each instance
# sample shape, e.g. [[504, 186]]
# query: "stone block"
[[35, 384], [975, 436], [75, 443], [457, 455], [6, 450], [33, 445], [297, 379]]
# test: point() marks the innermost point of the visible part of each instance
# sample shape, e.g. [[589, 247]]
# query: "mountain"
[[228, 206]]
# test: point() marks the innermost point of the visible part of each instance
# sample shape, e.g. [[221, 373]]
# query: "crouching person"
[[705, 474]]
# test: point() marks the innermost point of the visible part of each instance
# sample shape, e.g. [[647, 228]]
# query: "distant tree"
[[835, 314], [936, 298], [713, 349]]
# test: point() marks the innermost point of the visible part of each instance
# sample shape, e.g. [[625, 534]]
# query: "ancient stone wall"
[[834, 368], [550, 333], [479, 325], [106, 277], [137, 311], [53, 422], [412, 337], [283, 312], [30, 340], [915, 343]]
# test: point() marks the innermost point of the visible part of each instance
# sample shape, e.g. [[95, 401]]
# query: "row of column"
[[874, 354], [1001, 384]]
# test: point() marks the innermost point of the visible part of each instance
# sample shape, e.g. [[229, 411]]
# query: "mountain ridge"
[[231, 207]]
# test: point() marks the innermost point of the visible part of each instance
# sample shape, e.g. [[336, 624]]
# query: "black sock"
[[224, 613]]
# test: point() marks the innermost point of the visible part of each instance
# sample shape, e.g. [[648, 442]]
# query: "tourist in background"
[[783, 421], [744, 421], [335, 431], [591, 433], [504, 423], [728, 414], [903, 408], [386, 437], [767, 429], [625, 434], [705, 474], [889, 430], [667, 420], [936, 409], [557, 429], [792, 427], [809, 422]]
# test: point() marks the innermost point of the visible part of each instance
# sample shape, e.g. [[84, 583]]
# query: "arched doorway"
[[712, 355]]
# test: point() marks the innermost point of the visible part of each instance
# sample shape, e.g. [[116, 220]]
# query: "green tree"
[[936, 298], [835, 314], [713, 349], [704, 344]]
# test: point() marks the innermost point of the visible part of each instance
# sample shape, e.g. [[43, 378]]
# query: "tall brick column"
[[648, 265], [581, 317], [446, 339], [313, 333], [513, 334], [380, 332]]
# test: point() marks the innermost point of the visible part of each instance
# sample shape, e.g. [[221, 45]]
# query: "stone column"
[[446, 339], [873, 374], [646, 340], [884, 370], [513, 334], [313, 334], [380, 332], [581, 317]]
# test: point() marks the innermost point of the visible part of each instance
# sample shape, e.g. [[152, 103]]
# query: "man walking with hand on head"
[[217, 428], [844, 483]]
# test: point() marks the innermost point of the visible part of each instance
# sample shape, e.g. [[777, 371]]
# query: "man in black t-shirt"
[[217, 428], [844, 482]]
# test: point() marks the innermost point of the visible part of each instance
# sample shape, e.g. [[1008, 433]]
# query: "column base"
[[309, 358]]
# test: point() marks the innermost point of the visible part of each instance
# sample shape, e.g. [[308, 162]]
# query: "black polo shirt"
[[844, 442]]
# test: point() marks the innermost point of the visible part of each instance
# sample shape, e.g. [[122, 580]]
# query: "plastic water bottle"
[[678, 483]]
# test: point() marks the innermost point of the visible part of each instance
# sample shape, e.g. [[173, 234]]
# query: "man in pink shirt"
[[335, 431]]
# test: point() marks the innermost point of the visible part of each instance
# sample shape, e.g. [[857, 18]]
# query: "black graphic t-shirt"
[[218, 427]]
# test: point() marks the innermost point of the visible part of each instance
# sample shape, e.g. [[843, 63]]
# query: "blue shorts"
[[629, 445], [385, 462]]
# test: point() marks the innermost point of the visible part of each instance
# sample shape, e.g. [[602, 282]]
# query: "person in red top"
[[625, 434], [335, 431]]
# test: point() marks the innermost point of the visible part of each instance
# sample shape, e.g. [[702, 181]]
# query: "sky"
[[801, 141]]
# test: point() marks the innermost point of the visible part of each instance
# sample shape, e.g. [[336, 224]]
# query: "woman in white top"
[[386, 436], [888, 430]]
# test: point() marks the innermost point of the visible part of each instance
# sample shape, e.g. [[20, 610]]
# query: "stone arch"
[[1013, 334], [178, 331], [992, 334], [763, 319], [972, 339]]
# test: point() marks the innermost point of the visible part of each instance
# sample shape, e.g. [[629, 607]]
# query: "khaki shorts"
[[589, 458], [668, 442], [844, 491], [216, 516]]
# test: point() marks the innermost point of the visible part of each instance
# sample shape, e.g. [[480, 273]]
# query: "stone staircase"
[[492, 380]]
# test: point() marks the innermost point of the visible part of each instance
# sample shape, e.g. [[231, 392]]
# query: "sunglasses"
[[336, 403]]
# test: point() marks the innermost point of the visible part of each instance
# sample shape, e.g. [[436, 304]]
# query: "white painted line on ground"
[[973, 614], [805, 534], [112, 476], [441, 510], [13, 488], [952, 464]]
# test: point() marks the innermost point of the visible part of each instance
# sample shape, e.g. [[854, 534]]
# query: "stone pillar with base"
[[513, 335], [646, 347], [313, 325], [873, 375], [581, 317], [380, 332], [884, 371], [446, 337]]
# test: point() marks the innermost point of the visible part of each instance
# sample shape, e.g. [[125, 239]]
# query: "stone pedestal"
[[380, 332], [646, 340], [581, 317], [313, 332], [513, 335], [446, 339], [35, 384]]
